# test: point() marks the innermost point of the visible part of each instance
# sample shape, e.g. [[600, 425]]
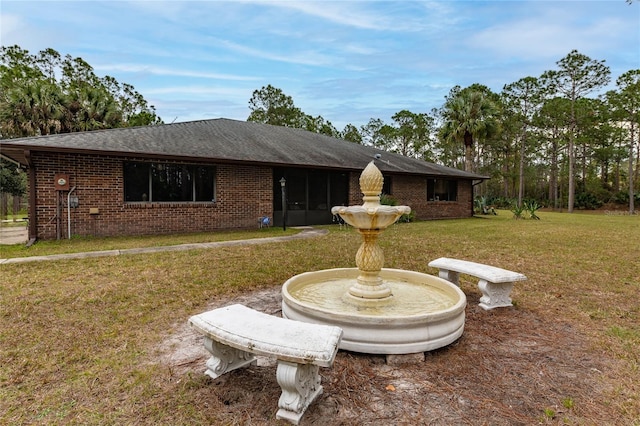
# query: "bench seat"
[[494, 283], [235, 333]]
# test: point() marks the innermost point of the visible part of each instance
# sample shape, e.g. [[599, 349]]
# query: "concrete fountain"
[[380, 310]]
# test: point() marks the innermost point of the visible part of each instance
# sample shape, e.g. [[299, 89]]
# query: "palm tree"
[[92, 108], [31, 109], [469, 115]]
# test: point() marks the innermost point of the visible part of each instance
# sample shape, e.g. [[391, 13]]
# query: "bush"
[[517, 211], [500, 202], [480, 206], [587, 201], [532, 206], [622, 197], [388, 200]]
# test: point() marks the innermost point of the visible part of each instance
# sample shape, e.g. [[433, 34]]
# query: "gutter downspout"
[[33, 219], [69, 211]]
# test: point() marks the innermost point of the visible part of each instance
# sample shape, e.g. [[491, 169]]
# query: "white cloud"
[[9, 24], [156, 70], [343, 13], [303, 57], [200, 90]]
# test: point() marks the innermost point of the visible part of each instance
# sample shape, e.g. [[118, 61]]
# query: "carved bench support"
[[451, 276], [495, 295], [225, 358], [300, 385]]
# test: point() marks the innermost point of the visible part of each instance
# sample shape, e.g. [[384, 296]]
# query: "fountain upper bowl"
[[370, 217]]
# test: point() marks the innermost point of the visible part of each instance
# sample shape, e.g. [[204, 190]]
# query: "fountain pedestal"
[[369, 260]]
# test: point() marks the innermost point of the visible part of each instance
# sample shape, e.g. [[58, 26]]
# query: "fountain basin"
[[424, 312]]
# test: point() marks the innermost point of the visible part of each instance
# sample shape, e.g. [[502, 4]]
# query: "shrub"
[[388, 200], [587, 201], [532, 206], [517, 211], [622, 197]]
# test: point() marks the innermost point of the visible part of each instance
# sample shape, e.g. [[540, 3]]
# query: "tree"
[[351, 133], [12, 182], [373, 133], [408, 135], [552, 119], [577, 76], [469, 114], [413, 133], [91, 108], [320, 125], [524, 99], [270, 105], [625, 105], [45, 94]]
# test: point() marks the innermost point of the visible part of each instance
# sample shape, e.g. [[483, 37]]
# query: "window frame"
[[450, 190], [178, 172]]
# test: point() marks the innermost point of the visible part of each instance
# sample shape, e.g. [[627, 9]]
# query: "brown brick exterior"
[[243, 194], [412, 191]]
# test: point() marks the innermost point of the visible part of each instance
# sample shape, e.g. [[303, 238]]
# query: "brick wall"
[[412, 191], [243, 194]]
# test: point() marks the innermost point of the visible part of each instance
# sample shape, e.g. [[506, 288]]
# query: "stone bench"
[[495, 283], [235, 333]]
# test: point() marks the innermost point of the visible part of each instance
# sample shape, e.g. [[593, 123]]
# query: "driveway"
[[13, 235]]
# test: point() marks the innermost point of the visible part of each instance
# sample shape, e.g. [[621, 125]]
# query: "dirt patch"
[[510, 367]]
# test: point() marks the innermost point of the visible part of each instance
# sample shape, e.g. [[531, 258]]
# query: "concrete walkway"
[[306, 233]]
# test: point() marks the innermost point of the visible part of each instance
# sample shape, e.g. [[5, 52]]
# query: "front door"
[[310, 194]]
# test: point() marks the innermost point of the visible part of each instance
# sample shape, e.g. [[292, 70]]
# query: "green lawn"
[[78, 338], [84, 244]]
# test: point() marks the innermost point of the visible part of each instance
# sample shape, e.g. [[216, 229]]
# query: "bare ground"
[[510, 367]]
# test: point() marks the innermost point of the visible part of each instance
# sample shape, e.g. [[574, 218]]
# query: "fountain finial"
[[371, 180]]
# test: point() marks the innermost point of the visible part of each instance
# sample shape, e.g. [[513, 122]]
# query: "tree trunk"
[[521, 171], [553, 180], [468, 152], [571, 191], [631, 187], [4, 204], [16, 206]]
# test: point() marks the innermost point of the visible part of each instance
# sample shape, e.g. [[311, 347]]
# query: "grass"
[[79, 338], [83, 244], [12, 221]]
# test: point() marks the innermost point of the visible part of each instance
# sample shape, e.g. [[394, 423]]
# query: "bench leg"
[[300, 385], [225, 358], [495, 295], [451, 276]]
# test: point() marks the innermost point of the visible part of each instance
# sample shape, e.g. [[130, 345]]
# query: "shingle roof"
[[230, 141]]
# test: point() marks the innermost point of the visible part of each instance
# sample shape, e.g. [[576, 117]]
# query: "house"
[[213, 174]]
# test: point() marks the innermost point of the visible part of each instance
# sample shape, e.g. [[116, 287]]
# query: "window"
[[442, 190], [386, 185], [161, 182]]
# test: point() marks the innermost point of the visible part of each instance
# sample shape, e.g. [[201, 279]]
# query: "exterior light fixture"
[[283, 187]]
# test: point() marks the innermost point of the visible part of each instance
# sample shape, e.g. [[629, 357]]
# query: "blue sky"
[[347, 61]]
